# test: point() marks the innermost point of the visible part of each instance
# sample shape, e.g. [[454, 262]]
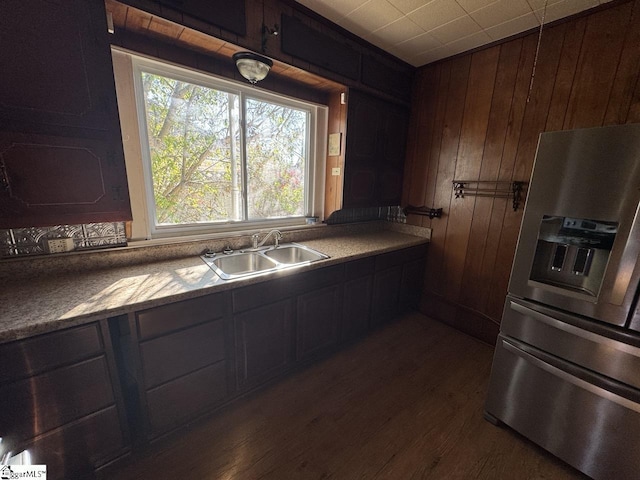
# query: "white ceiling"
[[422, 31]]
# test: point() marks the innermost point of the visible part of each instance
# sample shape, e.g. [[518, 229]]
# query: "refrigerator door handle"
[[567, 377], [573, 330]]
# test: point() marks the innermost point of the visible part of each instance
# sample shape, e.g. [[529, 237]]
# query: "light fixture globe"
[[252, 66]]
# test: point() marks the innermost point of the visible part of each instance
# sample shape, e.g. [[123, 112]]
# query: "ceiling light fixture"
[[252, 66]]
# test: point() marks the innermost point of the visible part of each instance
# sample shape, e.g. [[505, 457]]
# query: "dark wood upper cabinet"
[[318, 48], [56, 65], [230, 15], [392, 80], [61, 158], [375, 151]]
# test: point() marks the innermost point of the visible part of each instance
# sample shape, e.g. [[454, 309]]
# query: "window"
[[217, 155]]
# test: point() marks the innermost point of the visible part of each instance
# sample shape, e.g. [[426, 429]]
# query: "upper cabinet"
[[319, 48], [375, 151], [61, 157], [227, 14]]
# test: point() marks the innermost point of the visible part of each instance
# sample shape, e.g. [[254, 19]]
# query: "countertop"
[[51, 302]]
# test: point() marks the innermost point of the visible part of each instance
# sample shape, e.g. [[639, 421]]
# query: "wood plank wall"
[[471, 120]]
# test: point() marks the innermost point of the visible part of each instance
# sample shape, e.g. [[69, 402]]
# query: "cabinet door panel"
[[318, 48], [44, 352], [75, 450], [173, 403], [223, 13], [56, 64], [375, 151], [171, 356], [263, 342], [357, 307], [411, 285], [317, 321], [60, 180], [44, 402], [175, 316], [386, 288]]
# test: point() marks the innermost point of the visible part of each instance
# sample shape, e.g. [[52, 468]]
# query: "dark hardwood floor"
[[404, 403]]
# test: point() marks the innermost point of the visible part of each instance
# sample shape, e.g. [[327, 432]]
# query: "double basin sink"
[[261, 261]]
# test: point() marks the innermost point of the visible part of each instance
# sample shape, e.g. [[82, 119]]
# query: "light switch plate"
[[335, 171]]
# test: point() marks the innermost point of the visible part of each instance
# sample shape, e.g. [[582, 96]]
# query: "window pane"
[[276, 138], [193, 136]]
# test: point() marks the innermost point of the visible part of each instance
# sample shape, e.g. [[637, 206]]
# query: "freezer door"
[[582, 418], [579, 242], [606, 350]]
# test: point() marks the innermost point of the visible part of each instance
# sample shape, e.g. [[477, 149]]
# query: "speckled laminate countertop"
[[52, 302]]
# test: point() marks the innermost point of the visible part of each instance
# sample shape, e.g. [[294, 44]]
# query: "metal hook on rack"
[[424, 211], [488, 188]]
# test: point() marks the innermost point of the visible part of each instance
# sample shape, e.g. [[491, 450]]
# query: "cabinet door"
[[356, 308], [264, 342], [61, 159], [375, 151], [317, 321], [56, 65], [51, 180], [411, 285], [386, 289]]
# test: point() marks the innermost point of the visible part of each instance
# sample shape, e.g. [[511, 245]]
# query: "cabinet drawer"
[[359, 268], [323, 277], [388, 260], [263, 293], [98, 436], [173, 403], [34, 355], [179, 353], [168, 318], [44, 402]]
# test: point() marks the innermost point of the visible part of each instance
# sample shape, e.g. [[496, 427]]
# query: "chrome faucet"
[[254, 239]]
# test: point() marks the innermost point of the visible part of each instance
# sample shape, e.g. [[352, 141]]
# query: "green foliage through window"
[[200, 158]]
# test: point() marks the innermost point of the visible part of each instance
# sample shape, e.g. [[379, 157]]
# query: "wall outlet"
[[59, 245]]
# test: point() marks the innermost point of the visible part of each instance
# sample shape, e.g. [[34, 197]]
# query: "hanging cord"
[[535, 58]]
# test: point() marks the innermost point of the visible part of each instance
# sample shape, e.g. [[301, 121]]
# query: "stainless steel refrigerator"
[[566, 369]]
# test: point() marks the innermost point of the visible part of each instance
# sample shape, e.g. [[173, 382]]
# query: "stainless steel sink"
[[290, 254], [241, 264], [262, 261]]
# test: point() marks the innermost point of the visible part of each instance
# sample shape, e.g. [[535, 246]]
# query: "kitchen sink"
[[256, 262], [241, 264], [292, 254]]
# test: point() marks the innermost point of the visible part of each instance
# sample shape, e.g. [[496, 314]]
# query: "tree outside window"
[[205, 167]]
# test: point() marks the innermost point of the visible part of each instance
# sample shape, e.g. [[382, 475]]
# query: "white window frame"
[[127, 70]]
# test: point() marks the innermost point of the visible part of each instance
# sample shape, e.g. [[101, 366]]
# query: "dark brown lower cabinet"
[[397, 283], [386, 291], [358, 289], [60, 400], [319, 313], [264, 342], [411, 285], [173, 403], [180, 359]]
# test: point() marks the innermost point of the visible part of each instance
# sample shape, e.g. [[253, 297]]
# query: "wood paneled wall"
[[476, 117]]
